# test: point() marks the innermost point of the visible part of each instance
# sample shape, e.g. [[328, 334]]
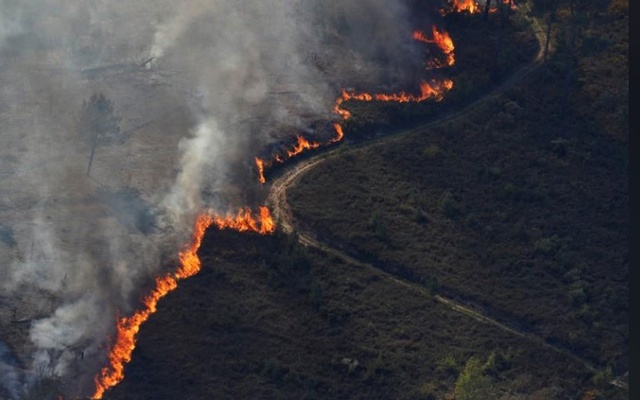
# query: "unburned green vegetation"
[[518, 207], [268, 319]]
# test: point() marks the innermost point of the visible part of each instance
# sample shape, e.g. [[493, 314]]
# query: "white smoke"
[[228, 79], [199, 159]]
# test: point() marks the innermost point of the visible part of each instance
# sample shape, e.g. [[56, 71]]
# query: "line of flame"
[[127, 328], [435, 89], [427, 90], [244, 221], [300, 146]]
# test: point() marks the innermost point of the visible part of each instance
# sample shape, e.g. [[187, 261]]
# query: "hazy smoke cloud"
[[227, 81], [10, 378]]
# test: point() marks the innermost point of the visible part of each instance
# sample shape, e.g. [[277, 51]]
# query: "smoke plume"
[[198, 88]]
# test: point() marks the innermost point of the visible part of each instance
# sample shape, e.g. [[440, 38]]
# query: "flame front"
[[301, 145], [244, 220], [435, 89], [127, 328]]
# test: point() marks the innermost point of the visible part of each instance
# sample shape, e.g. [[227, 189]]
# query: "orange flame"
[[339, 133], [473, 7], [470, 6], [302, 145], [127, 328], [442, 40], [445, 43], [244, 221], [434, 90], [419, 36], [260, 167], [466, 5], [340, 111]]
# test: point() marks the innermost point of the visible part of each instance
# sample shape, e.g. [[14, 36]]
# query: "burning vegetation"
[[444, 43], [473, 7], [128, 327], [434, 89], [470, 6], [260, 222]]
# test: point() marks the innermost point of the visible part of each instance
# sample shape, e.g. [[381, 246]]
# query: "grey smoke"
[[10, 378], [228, 79]]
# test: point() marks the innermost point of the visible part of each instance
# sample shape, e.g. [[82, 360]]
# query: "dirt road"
[[277, 200]]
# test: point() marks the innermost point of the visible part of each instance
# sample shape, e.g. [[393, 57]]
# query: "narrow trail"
[[277, 200]]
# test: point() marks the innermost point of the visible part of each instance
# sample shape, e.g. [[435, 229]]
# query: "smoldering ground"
[[197, 89]]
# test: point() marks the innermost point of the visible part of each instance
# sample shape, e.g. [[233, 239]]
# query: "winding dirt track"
[[277, 200]]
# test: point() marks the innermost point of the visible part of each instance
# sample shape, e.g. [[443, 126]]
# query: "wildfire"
[[470, 6], [473, 7], [435, 89], [302, 145], [339, 133], [244, 220], [260, 167], [442, 40], [127, 328]]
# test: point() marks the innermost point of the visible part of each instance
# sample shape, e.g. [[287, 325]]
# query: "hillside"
[[513, 202], [520, 208]]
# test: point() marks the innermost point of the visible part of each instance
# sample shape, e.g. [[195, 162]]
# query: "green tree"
[[473, 384]]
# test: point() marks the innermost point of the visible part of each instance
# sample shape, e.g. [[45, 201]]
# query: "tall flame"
[[260, 167], [442, 40], [127, 328]]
